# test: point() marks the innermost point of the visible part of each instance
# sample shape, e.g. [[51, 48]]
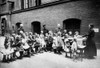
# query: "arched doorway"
[[72, 24], [3, 26], [36, 27]]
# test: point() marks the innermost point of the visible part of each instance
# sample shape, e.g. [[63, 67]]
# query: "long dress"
[[90, 49]]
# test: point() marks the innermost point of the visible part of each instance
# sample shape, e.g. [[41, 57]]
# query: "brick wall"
[[51, 16]]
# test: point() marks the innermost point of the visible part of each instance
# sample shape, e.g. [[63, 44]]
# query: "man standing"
[[44, 29], [20, 28]]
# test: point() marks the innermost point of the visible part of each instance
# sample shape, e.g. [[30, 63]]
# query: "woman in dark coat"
[[90, 50]]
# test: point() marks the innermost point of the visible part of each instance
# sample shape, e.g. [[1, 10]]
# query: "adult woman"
[[90, 50]]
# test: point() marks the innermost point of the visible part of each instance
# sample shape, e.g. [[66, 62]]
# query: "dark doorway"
[[36, 27], [3, 26], [18, 25], [72, 24]]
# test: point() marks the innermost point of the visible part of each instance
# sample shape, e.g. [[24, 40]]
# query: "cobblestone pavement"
[[51, 60]]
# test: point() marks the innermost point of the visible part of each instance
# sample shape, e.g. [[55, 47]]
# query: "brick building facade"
[[34, 15]]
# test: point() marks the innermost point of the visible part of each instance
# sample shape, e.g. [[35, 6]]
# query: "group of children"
[[21, 44]]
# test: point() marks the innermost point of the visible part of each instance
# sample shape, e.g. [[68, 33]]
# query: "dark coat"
[[90, 49], [20, 29], [45, 31]]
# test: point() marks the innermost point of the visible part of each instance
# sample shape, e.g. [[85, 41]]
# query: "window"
[[38, 2], [3, 1], [49, 1], [22, 4], [31, 3], [11, 5], [26, 3]]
